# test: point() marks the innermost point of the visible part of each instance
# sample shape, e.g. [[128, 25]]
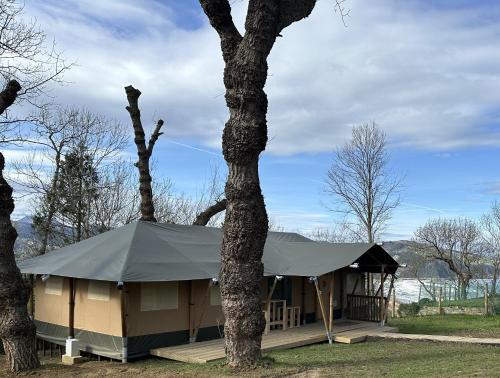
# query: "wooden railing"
[[365, 307]]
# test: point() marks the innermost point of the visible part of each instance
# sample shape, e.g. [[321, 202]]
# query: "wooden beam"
[[332, 281], [268, 306], [191, 310], [355, 285], [382, 296], [322, 307], [203, 310], [381, 282], [123, 306], [391, 288], [71, 309]]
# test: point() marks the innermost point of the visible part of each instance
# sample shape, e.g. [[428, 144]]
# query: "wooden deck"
[[345, 332]]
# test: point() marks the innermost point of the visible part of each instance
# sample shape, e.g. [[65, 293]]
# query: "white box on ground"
[[72, 348]]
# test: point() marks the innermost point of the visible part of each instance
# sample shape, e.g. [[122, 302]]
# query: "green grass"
[[373, 358], [458, 325]]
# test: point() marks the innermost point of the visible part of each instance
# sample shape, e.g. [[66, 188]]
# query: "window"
[[98, 290], [215, 299], [54, 285], [159, 296]]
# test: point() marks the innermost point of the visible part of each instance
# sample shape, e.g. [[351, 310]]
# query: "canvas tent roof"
[[144, 251]]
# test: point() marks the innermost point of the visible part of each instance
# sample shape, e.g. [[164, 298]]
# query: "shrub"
[[409, 309]]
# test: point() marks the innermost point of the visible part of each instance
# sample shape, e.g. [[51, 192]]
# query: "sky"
[[427, 72]]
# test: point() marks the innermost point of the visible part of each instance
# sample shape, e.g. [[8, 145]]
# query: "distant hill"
[[401, 251], [25, 234]]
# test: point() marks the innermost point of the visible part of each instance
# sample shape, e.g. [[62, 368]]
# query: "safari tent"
[[148, 285]]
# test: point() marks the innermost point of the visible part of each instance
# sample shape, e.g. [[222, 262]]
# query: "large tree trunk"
[[17, 331], [244, 138], [143, 152]]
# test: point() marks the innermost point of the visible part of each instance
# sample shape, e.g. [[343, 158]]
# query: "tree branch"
[[204, 217], [154, 137], [293, 11], [219, 15]]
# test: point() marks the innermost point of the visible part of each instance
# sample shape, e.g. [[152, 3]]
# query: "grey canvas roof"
[[144, 251]]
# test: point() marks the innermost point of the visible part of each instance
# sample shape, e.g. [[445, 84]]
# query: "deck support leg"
[[323, 313]]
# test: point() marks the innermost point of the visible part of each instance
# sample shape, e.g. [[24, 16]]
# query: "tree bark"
[[17, 331], [244, 138], [204, 217], [9, 95], [144, 153]]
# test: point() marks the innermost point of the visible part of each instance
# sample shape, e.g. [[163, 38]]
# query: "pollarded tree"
[[244, 138]]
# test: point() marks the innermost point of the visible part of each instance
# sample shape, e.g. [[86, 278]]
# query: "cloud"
[[428, 76], [491, 188]]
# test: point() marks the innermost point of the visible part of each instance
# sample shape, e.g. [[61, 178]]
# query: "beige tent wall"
[[212, 315], [150, 322], [102, 316], [51, 308]]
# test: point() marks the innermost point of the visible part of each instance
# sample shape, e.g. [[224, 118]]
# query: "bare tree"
[[144, 153], [244, 138], [56, 134], [339, 233], [457, 242], [28, 64], [362, 185], [52, 134], [490, 224]]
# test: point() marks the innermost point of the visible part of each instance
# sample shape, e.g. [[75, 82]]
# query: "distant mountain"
[[401, 251], [25, 234]]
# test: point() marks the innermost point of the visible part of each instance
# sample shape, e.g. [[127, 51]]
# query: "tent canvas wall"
[[146, 285]]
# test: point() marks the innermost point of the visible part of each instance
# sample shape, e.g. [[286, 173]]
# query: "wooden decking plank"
[[206, 351]]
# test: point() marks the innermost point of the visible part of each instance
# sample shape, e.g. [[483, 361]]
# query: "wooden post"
[[386, 304], [444, 292], [322, 307], [330, 324], [486, 299], [449, 293], [202, 313], [382, 296], [191, 310], [123, 305], [71, 309], [440, 300], [477, 289], [419, 292], [268, 306], [394, 303]]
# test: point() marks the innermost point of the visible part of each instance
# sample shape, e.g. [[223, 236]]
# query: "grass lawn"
[[373, 358], [459, 325]]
